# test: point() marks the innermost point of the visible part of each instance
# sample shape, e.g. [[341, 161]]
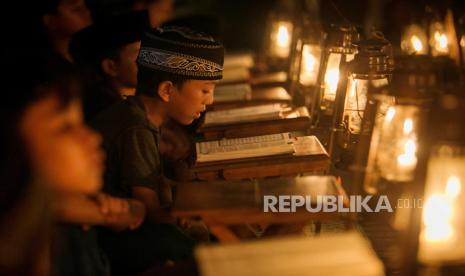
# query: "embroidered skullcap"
[[182, 51]]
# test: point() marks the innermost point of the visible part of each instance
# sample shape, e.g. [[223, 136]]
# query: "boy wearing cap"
[[106, 53], [177, 72]]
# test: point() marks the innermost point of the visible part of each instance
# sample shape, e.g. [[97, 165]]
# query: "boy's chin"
[[185, 122]]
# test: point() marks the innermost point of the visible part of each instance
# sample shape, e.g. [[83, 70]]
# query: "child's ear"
[[164, 90], [109, 67]]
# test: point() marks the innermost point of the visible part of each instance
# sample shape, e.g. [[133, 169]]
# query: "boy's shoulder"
[[122, 116]]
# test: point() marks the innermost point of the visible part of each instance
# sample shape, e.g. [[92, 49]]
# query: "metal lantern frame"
[[338, 50], [367, 75], [277, 59], [414, 86], [308, 51], [430, 246]]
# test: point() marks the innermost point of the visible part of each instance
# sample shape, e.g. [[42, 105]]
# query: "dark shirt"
[[77, 252], [131, 144], [133, 160], [98, 97]]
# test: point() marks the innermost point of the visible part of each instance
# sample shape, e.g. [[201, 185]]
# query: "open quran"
[[258, 146], [238, 59], [233, 92], [244, 114], [254, 121]]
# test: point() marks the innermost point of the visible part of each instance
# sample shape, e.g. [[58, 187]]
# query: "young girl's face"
[[63, 150]]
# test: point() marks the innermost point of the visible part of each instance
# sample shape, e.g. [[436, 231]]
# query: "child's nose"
[[92, 137], [209, 99]]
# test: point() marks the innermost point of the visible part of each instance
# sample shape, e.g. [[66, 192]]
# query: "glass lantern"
[[397, 148], [387, 151], [305, 68], [280, 36], [435, 237], [414, 40], [371, 69], [442, 236], [339, 51], [368, 73], [438, 39]]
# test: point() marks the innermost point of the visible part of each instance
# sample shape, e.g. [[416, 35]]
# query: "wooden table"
[[261, 167], [297, 119], [269, 95], [232, 203]]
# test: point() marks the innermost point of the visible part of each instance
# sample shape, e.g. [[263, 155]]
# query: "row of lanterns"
[[379, 112]]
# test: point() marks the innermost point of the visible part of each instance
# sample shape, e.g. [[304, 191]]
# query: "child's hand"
[[121, 213], [112, 206], [137, 210]]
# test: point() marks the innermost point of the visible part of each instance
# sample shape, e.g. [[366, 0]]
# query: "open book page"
[[308, 145], [244, 59], [256, 146], [233, 92], [338, 254], [277, 77], [296, 113], [244, 114], [235, 74]]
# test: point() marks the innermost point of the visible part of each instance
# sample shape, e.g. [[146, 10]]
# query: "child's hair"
[[27, 80], [148, 81], [24, 216]]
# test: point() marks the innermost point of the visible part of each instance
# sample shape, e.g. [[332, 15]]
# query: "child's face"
[[70, 17], [126, 66], [187, 102], [63, 150], [159, 11]]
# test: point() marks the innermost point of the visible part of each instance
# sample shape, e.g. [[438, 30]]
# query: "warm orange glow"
[[416, 43], [437, 216], [283, 36], [310, 64], [408, 158]]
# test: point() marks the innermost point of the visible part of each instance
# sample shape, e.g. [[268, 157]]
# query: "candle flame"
[[408, 126], [408, 158], [453, 186], [309, 61], [441, 41], [390, 114], [437, 216], [332, 79], [283, 36], [416, 43]]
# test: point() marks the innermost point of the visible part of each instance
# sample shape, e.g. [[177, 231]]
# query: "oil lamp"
[[435, 235], [338, 52]]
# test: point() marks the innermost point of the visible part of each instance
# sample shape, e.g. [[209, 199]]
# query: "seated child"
[[178, 69]]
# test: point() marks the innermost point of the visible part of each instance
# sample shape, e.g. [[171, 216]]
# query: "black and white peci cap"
[[182, 51]]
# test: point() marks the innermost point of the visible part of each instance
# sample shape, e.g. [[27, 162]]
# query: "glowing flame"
[[283, 36], [332, 79], [437, 216], [353, 88], [390, 114], [309, 61], [416, 43], [408, 158], [441, 41], [408, 126], [453, 186]]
